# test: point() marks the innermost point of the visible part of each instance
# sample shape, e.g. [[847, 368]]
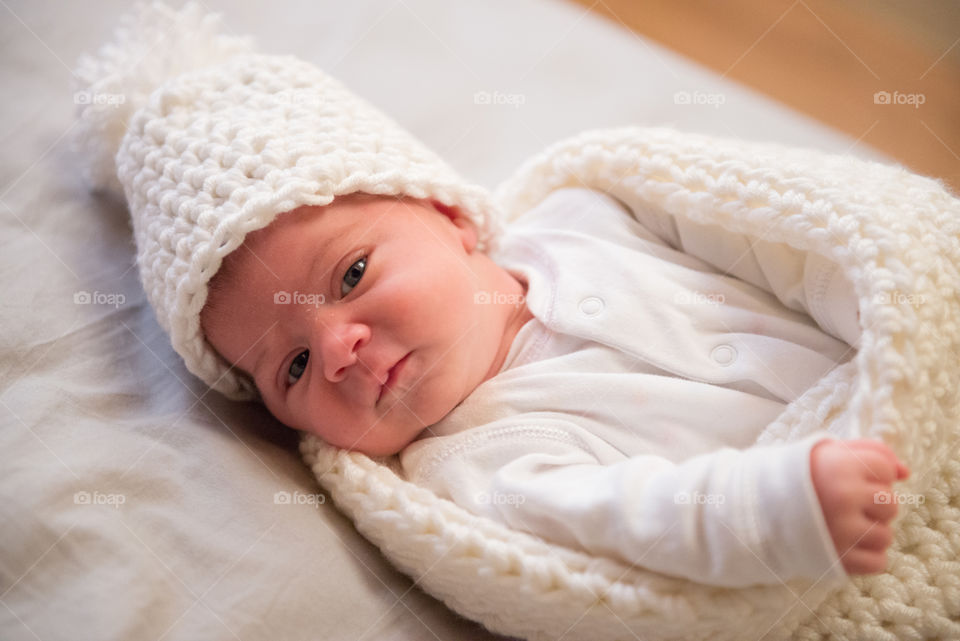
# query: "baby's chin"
[[415, 419], [392, 446]]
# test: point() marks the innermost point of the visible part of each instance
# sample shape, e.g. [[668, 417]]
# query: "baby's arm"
[[729, 517], [850, 477]]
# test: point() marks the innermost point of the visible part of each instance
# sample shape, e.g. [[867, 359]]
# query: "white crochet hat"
[[209, 141]]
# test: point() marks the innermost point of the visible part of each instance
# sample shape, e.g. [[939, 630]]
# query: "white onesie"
[[623, 418]]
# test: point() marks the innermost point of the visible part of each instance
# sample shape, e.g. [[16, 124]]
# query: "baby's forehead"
[[306, 224], [342, 211], [290, 226]]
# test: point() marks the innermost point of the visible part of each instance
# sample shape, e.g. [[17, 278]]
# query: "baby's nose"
[[339, 346]]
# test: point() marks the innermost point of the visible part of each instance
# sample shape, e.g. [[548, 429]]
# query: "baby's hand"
[[853, 481]]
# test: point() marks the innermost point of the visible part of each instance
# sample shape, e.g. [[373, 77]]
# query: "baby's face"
[[321, 304]]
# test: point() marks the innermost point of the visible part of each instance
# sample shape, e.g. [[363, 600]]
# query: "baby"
[[386, 338], [301, 248]]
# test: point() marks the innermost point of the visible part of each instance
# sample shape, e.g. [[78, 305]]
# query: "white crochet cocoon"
[[897, 237]]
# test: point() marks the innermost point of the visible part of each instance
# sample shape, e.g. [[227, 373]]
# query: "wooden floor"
[[828, 60]]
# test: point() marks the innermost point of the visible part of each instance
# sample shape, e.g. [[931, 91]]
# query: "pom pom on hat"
[[211, 141], [152, 44]]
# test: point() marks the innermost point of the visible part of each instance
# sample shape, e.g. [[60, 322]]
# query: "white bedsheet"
[[176, 532]]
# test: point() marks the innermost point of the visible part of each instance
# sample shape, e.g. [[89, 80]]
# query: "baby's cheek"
[[398, 296]]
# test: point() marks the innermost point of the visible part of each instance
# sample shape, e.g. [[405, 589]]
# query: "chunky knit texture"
[[211, 141], [897, 237]]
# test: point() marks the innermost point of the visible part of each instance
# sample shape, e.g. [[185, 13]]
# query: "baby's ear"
[[467, 228]]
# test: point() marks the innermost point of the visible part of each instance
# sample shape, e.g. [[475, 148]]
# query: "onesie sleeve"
[[804, 281], [730, 518]]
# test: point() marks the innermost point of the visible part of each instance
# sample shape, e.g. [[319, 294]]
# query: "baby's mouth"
[[393, 376]]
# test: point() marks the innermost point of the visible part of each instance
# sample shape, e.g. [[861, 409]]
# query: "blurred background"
[[886, 72]]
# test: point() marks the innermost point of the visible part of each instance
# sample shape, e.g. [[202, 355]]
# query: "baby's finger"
[[902, 470], [873, 444], [878, 538], [875, 465], [859, 561], [882, 506]]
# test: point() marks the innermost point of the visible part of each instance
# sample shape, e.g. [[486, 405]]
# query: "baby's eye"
[[356, 271], [299, 365]]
